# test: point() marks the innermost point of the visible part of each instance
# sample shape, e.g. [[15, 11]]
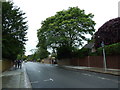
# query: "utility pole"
[[104, 57]]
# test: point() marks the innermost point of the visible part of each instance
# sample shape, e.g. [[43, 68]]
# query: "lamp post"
[[104, 57]]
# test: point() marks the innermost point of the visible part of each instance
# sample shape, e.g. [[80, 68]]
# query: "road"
[[53, 76]]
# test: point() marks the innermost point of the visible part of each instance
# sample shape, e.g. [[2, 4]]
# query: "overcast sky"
[[38, 10]]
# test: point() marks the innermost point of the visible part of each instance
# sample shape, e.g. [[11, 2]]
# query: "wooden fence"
[[93, 61]]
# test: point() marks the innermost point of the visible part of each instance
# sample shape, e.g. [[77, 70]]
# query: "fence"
[[93, 61]]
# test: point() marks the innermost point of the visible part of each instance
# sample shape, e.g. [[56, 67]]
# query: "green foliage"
[[81, 53], [21, 57], [65, 28], [64, 52], [41, 53], [113, 49], [13, 31], [29, 58], [54, 55], [71, 52], [38, 60]]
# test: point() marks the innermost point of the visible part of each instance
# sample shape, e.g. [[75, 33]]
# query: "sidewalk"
[[15, 78], [94, 69]]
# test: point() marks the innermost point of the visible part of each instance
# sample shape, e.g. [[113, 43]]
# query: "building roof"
[[89, 45]]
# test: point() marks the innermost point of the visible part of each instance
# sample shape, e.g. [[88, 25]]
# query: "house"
[[90, 45]]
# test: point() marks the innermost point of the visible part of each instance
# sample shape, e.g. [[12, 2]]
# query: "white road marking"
[[49, 79], [35, 82], [39, 71], [56, 65], [86, 74], [101, 77], [109, 79], [26, 79], [46, 80]]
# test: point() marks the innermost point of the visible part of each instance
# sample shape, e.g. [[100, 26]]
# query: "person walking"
[[20, 64], [15, 64]]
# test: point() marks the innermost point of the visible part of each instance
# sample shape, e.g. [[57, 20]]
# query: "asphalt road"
[[53, 76]]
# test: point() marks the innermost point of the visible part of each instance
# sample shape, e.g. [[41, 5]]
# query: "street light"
[[104, 57]]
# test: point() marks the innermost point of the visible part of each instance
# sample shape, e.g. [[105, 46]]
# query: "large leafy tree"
[[108, 32], [66, 28], [41, 53], [13, 30]]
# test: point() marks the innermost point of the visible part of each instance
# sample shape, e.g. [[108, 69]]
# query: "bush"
[[81, 52], [64, 52], [113, 49], [70, 52]]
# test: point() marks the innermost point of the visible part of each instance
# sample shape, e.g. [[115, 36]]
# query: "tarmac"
[[17, 78]]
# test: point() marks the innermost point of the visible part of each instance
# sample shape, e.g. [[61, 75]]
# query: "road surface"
[[53, 76]]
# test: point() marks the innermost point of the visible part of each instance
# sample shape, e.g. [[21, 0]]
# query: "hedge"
[[110, 50]]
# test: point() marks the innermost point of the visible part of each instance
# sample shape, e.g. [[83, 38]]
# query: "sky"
[[38, 10]]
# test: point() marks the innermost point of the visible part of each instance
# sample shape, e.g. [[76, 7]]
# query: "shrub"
[[81, 52], [64, 52], [113, 49]]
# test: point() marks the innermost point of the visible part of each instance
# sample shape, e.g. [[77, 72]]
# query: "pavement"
[[94, 69], [17, 78]]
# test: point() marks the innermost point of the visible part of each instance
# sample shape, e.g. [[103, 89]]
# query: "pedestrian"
[[52, 61], [20, 64], [15, 64]]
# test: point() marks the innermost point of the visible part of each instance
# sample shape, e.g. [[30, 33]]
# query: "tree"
[[21, 57], [41, 53], [13, 30], [64, 52], [66, 28], [108, 32]]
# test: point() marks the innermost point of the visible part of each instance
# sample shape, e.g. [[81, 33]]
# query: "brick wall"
[[6, 64]]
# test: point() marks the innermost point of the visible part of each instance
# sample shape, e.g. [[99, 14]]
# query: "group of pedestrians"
[[18, 64]]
